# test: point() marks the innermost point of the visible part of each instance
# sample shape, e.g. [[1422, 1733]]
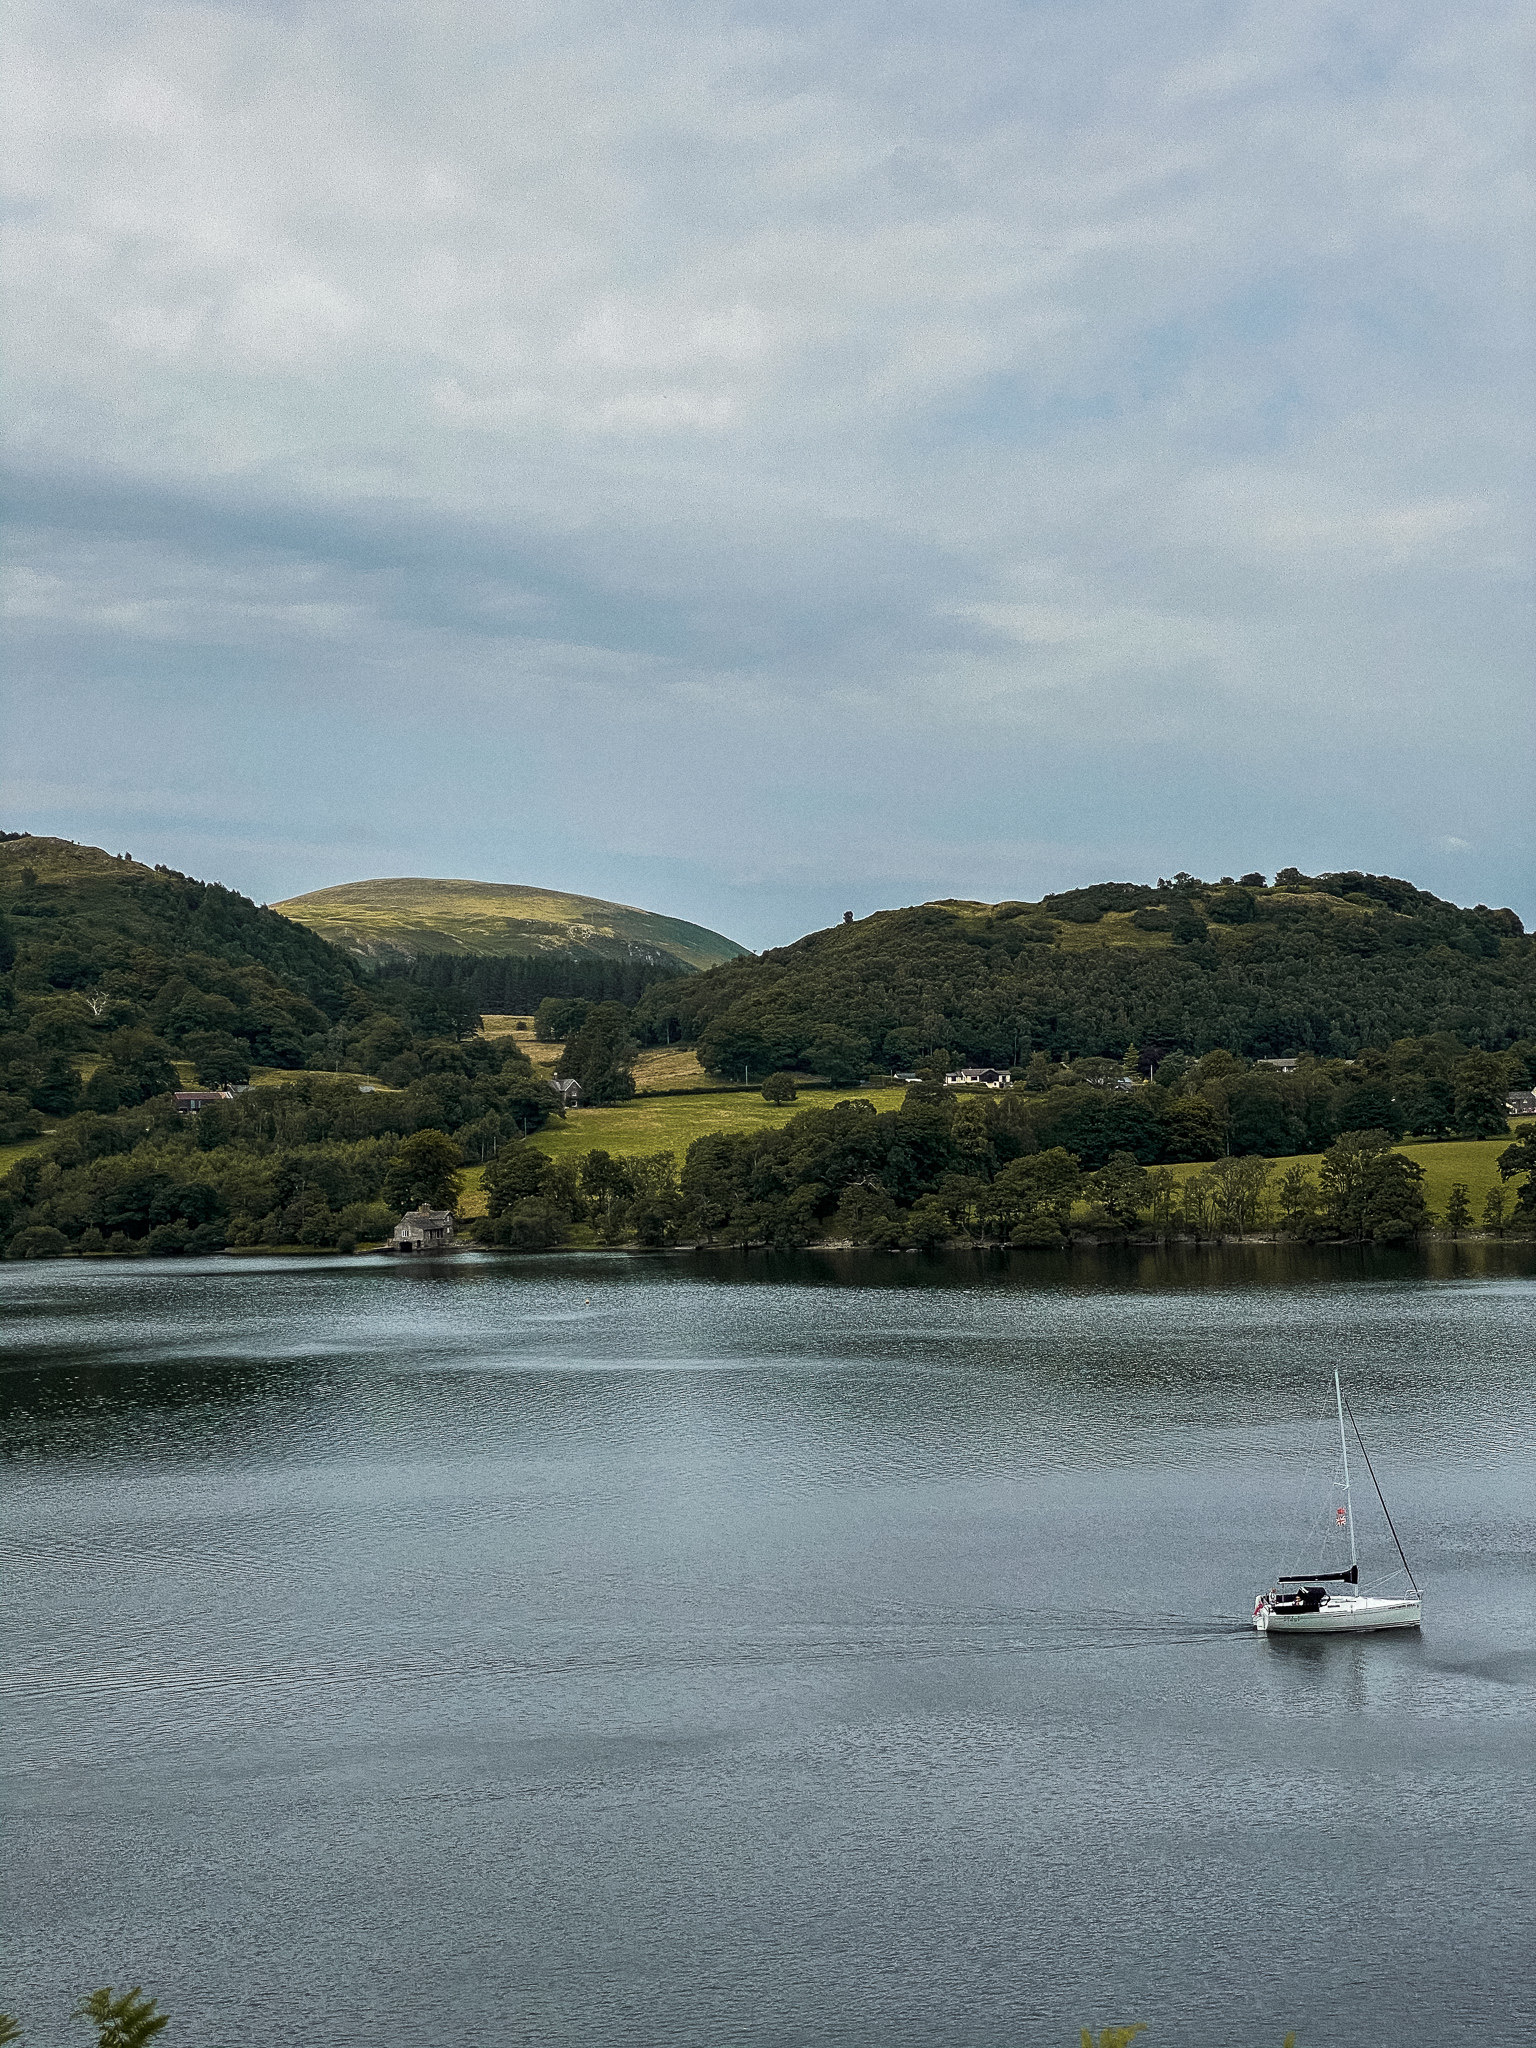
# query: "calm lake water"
[[600, 1650]]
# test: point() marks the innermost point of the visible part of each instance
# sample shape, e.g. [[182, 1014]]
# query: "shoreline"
[[1075, 1242]]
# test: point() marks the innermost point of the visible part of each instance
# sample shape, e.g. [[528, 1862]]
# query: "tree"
[[655, 1204], [601, 1055], [57, 1092], [516, 1172], [37, 1241], [1493, 1211], [1480, 1088], [1121, 1185], [128, 2021], [10, 2029], [221, 1061], [1368, 1190], [1163, 1191], [1432, 1111], [841, 1057], [103, 1092], [1238, 1186], [605, 1184], [1458, 1210], [1298, 1196], [1521, 1158], [928, 1224], [530, 1225], [1233, 906], [1037, 1190], [862, 1208], [424, 1172], [559, 1018], [1371, 1107], [971, 1134], [779, 1087]]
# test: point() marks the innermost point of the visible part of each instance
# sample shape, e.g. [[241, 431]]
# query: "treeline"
[[1431, 1087], [517, 985], [314, 1162], [1311, 964], [944, 1168]]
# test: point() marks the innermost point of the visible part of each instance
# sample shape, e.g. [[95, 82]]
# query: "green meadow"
[[1473, 1160], [670, 1123]]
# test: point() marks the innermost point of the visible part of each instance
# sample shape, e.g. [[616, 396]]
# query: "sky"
[[757, 461]]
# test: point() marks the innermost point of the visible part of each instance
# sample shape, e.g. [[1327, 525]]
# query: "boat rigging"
[[1313, 1608]]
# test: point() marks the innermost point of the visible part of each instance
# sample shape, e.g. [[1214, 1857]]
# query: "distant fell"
[[406, 917]]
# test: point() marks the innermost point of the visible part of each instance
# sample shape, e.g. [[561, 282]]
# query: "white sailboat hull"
[[1349, 1614]]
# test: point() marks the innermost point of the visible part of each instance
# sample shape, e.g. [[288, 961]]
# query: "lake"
[[772, 1650]]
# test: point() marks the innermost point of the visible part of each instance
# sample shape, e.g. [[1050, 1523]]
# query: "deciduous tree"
[[424, 1172]]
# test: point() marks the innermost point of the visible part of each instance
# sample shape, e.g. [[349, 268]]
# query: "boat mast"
[[1349, 1504]]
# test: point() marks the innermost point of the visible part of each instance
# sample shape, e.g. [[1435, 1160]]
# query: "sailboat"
[[1313, 1608]]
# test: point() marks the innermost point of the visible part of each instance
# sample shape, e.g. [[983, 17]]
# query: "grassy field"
[[10, 1154], [668, 1067], [671, 1123], [1474, 1161], [520, 1030], [409, 915], [659, 1068]]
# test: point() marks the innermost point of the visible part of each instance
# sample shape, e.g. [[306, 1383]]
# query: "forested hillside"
[[113, 975], [1411, 1016], [1310, 964]]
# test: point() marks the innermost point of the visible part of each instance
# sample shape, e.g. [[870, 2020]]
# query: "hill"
[[408, 917], [121, 972], [1308, 964], [79, 912]]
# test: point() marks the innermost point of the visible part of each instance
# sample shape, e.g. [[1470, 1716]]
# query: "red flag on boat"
[[1342, 1518]]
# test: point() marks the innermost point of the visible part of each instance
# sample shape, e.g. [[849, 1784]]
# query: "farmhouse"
[[978, 1077], [189, 1101], [424, 1230], [1521, 1102]]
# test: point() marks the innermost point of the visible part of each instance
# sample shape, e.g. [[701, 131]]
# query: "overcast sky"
[[757, 461]]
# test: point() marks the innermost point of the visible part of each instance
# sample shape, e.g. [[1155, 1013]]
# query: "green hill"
[[1309, 964], [79, 913], [123, 973], [407, 917]]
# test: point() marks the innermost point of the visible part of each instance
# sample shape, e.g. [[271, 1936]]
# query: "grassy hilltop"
[[408, 916]]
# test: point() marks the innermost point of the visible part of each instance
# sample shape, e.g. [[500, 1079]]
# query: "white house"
[[978, 1077]]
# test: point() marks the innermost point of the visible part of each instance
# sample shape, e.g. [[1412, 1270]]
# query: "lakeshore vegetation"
[[1134, 1024]]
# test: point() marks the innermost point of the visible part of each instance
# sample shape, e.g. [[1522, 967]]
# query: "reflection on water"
[[823, 1649]]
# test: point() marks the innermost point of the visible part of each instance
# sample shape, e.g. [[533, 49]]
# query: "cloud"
[[953, 401]]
